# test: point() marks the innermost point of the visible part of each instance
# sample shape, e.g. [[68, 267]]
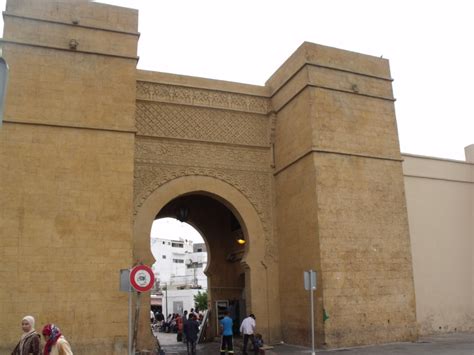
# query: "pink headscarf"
[[54, 333]]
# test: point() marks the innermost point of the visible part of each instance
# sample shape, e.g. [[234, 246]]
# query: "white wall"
[[440, 210], [177, 274], [164, 253], [185, 296]]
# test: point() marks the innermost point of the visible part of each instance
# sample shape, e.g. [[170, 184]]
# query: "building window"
[[177, 245], [164, 243], [178, 261], [199, 250], [163, 256]]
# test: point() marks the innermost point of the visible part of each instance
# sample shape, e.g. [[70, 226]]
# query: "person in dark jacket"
[[191, 330], [30, 340]]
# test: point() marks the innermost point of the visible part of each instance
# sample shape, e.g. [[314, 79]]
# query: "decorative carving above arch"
[[158, 119], [255, 186], [202, 97]]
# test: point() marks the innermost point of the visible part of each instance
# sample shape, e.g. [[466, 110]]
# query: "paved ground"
[[446, 344]]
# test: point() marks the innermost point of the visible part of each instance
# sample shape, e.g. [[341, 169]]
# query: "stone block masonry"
[[91, 149]]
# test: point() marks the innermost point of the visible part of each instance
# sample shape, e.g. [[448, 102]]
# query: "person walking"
[[247, 328], [159, 316], [152, 317], [167, 323], [191, 331], [179, 327], [56, 344], [185, 318], [160, 319], [226, 324], [30, 340]]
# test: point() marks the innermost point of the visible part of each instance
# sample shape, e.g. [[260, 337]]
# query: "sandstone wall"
[[66, 165], [340, 198]]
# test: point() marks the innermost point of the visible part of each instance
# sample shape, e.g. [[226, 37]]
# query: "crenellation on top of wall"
[[331, 58], [201, 83], [201, 92], [469, 153], [90, 84], [80, 12], [57, 35]]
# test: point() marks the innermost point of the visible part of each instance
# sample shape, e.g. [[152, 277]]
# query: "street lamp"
[[165, 288], [182, 214], [239, 235]]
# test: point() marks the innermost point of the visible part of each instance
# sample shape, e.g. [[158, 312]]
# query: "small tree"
[[200, 300]]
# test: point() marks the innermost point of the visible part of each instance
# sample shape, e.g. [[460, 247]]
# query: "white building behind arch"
[[180, 263]]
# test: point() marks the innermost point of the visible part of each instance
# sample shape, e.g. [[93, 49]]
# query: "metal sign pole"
[[166, 296], [125, 286], [312, 319], [141, 279], [130, 321], [310, 285], [135, 328]]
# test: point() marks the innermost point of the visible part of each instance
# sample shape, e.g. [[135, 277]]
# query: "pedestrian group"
[[30, 343], [187, 330]]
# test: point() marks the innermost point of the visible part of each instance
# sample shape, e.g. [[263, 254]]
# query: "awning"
[[155, 301]]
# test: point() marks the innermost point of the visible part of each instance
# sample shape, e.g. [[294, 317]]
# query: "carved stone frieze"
[[254, 185], [184, 131], [202, 97], [203, 124], [172, 152]]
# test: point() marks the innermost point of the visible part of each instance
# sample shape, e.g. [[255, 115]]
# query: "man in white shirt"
[[247, 328]]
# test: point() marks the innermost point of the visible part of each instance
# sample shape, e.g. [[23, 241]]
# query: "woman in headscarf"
[[30, 340], [56, 344]]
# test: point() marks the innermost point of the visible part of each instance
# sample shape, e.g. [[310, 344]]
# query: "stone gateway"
[[306, 168]]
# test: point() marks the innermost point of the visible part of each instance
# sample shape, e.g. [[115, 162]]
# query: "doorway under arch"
[[180, 254], [226, 272], [234, 272]]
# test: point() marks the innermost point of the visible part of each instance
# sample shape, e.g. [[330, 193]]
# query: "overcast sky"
[[429, 45], [170, 228]]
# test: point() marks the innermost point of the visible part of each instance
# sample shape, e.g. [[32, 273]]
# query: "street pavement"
[[443, 344]]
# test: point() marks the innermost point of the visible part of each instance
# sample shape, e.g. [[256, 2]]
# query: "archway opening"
[[180, 255], [222, 272]]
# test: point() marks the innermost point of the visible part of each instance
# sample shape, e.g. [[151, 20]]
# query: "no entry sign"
[[142, 278]]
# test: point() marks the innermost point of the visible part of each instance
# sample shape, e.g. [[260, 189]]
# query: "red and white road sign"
[[142, 278]]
